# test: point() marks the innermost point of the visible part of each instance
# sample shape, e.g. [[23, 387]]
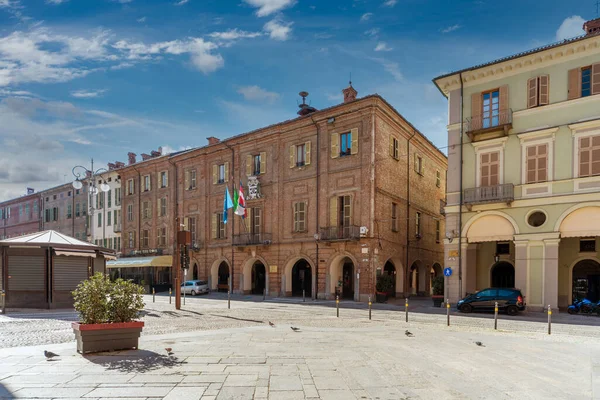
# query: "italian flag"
[[239, 204]]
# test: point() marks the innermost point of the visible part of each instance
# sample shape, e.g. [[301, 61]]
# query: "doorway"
[[390, 269], [258, 278], [586, 281], [301, 278], [223, 282], [503, 275], [348, 280]]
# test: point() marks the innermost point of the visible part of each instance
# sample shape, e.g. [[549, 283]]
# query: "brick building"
[[20, 216], [65, 210], [334, 197]]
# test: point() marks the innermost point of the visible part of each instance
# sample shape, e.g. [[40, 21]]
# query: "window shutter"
[[249, 165], [574, 83], [348, 201], [335, 145], [596, 78], [503, 100], [213, 226], [247, 221], [215, 174], [292, 156], [476, 111], [226, 171], [307, 151], [186, 223], [158, 208], [263, 162], [544, 90], [391, 146], [416, 163], [333, 211], [158, 180], [532, 92], [187, 180], [354, 134]]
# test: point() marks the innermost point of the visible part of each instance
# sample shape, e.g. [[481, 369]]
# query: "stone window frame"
[[536, 138], [578, 131], [489, 146]]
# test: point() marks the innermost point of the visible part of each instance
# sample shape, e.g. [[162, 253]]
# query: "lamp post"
[[83, 174]]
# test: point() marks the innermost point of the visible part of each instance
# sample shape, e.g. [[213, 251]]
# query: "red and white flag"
[[241, 203]]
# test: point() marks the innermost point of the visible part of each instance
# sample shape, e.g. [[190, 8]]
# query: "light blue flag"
[[227, 203]]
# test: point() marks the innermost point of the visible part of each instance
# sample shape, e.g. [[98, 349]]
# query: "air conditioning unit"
[[363, 231]]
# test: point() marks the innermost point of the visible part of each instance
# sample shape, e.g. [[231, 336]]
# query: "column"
[[469, 268], [521, 266], [551, 273], [451, 261]]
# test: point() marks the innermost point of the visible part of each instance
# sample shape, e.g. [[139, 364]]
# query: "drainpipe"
[[406, 285], [460, 185], [316, 293], [176, 254], [372, 201]]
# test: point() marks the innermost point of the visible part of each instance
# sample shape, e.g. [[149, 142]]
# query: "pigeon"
[[50, 355], [169, 350], [294, 328], [409, 334], [479, 344], [272, 324]]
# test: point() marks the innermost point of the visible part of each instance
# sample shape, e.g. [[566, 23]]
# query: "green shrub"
[[385, 283], [99, 300], [438, 286]]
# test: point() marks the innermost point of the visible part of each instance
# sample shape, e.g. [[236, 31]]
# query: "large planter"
[[437, 300], [381, 297], [93, 338]]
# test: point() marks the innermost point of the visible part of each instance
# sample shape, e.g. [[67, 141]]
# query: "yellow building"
[[524, 209]]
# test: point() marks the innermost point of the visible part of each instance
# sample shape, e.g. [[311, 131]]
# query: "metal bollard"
[[496, 316], [303, 295], [337, 304], [153, 295], [169, 295], [264, 294], [406, 308], [448, 312], [369, 307], [229, 298], [3, 298], [549, 320], [184, 296]]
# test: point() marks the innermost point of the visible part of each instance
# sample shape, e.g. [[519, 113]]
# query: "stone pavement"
[[373, 361]]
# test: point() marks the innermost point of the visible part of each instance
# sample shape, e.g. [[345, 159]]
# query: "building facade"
[[20, 216], [106, 224], [65, 210], [523, 200], [333, 198]]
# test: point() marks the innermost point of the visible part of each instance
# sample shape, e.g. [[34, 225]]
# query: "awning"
[[133, 262], [74, 252]]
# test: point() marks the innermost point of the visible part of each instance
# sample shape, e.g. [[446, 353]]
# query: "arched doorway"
[[390, 269], [417, 279], [223, 277], [436, 270], [195, 272], [586, 281], [301, 278], [347, 279], [503, 275], [259, 275]]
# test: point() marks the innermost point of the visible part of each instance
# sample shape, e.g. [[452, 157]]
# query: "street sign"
[[447, 271]]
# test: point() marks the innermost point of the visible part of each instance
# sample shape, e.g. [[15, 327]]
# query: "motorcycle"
[[584, 306]]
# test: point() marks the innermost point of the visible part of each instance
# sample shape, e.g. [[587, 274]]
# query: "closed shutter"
[[574, 84], [333, 211], [99, 262], [213, 226], [186, 183], [589, 156], [215, 174], [249, 171], [26, 273], [476, 111], [532, 92], [537, 163], [166, 178], [392, 146], [335, 145], [490, 169], [596, 78], [544, 90], [226, 171], [307, 153], [69, 271], [292, 156], [354, 134], [263, 162], [159, 208], [503, 101]]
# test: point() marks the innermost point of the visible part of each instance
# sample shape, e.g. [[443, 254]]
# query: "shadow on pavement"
[[238, 319], [136, 361], [5, 393]]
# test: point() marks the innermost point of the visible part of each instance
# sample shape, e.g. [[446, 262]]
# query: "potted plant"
[[437, 286], [107, 312], [383, 288]]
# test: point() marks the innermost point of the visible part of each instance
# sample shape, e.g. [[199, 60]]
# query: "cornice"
[[490, 143], [580, 126], [546, 134]]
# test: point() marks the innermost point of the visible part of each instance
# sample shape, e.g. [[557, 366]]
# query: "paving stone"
[[205, 378], [54, 392], [337, 395], [99, 378], [241, 380], [185, 393], [287, 395], [329, 383], [285, 383], [310, 391], [140, 391], [236, 393], [261, 392]]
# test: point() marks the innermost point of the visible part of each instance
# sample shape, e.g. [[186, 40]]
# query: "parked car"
[[194, 287], [509, 300]]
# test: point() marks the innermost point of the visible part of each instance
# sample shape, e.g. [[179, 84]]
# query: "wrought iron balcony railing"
[[117, 227], [482, 123], [332, 233], [252, 239], [490, 194]]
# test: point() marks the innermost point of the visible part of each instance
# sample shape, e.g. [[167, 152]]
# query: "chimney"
[[212, 140], [592, 27], [155, 153], [145, 156], [305, 109], [131, 158], [111, 166], [349, 93], [119, 164]]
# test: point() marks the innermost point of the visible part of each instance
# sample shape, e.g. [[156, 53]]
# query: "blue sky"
[[100, 78]]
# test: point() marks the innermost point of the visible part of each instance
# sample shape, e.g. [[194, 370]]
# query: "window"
[[253, 221], [536, 219], [438, 179], [345, 210], [20, 210], [162, 237], [105, 243], [99, 220], [55, 214], [54, 197], [192, 228], [108, 218], [116, 217], [35, 209], [537, 163], [221, 173], [489, 169], [130, 212], [131, 240], [147, 185], [146, 211], [109, 195], [27, 211], [300, 155], [164, 179], [69, 211], [190, 179], [77, 210], [394, 217], [218, 226], [163, 207], [418, 164], [538, 91], [300, 217], [69, 194], [394, 146], [118, 245], [586, 81], [418, 224], [47, 199], [145, 238], [437, 230], [491, 108], [345, 144], [117, 196], [76, 192], [48, 215], [130, 187], [110, 243], [84, 208], [589, 156], [256, 165], [587, 245], [502, 248]]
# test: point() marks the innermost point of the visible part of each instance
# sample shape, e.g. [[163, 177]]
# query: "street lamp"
[[82, 174]]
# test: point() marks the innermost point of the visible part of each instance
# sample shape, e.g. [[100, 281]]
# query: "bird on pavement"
[[272, 324], [409, 334], [50, 355], [294, 328], [479, 344], [169, 350]]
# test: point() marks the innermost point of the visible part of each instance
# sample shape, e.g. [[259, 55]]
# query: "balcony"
[[335, 233], [252, 239], [504, 193], [484, 127], [117, 227]]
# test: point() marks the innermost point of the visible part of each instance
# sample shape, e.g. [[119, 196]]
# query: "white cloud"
[[382, 46], [4, 3], [570, 27], [372, 32], [87, 94], [278, 30], [391, 67], [365, 17], [268, 7], [335, 97], [234, 34], [256, 93], [181, 2], [390, 3], [323, 35], [56, 2], [451, 28], [141, 20]]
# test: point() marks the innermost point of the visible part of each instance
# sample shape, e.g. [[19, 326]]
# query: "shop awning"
[[74, 252], [133, 262]]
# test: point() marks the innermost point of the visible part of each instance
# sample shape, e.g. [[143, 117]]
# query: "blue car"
[[510, 301]]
